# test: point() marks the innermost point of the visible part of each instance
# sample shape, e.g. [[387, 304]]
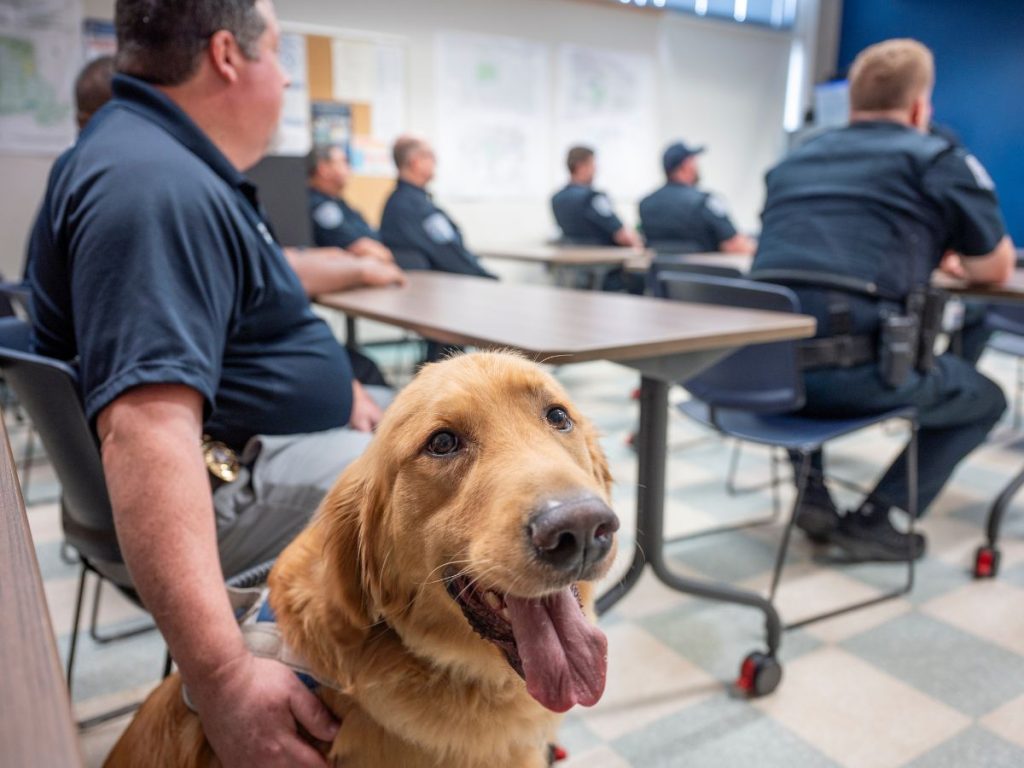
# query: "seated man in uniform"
[[92, 88], [586, 216], [679, 218], [335, 222], [185, 319], [885, 202], [420, 234]]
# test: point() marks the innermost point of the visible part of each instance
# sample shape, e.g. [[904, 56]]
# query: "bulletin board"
[[368, 76]]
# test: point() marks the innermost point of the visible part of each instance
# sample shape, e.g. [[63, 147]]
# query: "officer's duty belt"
[[837, 352]]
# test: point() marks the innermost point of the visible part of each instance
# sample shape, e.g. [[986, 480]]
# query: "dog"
[[445, 582]]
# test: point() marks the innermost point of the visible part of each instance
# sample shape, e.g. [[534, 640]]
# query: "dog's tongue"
[[565, 657]]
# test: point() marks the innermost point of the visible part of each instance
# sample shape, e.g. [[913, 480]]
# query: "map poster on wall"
[[40, 53], [493, 117], [293, 132], [606, 101]]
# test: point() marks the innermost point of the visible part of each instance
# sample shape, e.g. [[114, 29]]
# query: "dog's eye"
[[442, 444], [559, 419]]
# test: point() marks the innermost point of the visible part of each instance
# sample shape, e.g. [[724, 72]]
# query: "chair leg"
[[26, 463], [803, 477], [1018, 395], [123, 634], [168, 661], [75, 622]]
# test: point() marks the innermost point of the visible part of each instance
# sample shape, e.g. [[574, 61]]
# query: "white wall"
[[719, 84]]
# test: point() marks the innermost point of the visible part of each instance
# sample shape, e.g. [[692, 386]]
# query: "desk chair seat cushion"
[[789, 431]]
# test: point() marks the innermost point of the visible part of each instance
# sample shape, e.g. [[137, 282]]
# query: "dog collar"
[[262, 637]]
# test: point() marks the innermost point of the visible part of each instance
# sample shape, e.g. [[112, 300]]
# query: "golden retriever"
[[443, 583]]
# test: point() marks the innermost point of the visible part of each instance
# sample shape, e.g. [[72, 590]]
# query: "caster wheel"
[[760, 674], [986, 562], [631, 440], [635, 394]]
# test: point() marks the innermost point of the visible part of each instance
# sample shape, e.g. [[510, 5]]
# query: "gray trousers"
[[282, 482]]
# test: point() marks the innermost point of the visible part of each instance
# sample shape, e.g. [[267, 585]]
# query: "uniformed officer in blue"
[[679, 218], [585, 215], [419, 234], [884, 202], [335, 222]]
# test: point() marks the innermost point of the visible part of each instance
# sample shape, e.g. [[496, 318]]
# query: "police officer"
[[420, 234], [680, 218], [335, 222], [885, 203], [586, 216]]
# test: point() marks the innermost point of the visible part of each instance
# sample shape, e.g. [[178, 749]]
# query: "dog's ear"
[[598, 462], [353, 515]]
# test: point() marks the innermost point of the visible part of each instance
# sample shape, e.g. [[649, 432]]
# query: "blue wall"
[[979, 59]]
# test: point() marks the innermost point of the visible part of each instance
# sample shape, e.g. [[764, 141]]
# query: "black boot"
[[817, 515], [867, 534]]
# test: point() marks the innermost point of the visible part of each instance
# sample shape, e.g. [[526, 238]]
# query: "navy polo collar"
[[145, 100], [422, 190]]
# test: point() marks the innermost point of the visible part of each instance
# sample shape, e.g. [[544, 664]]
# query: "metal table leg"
[[650, 524]]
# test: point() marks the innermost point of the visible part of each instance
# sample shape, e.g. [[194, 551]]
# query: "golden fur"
[[360, 594]]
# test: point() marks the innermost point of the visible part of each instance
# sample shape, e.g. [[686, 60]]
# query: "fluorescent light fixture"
[[794, 87]]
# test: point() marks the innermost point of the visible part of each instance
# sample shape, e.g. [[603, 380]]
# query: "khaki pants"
[[284, 479]]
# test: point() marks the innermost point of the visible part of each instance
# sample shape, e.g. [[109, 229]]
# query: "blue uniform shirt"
[[421, 236], [335, 222], [677, 215], [153, 265], [877, 201], [585, 216]]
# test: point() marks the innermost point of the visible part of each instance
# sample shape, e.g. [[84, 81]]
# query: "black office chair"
[[753, 395], [48, 390], [15, 334]]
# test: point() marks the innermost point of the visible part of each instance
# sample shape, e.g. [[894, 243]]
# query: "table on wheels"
[[664, 341]]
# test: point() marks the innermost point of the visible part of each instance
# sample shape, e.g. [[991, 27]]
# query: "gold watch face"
[[220, 460]]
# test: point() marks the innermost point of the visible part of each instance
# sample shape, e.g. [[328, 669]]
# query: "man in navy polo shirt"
[[679, 218], [336, 223], [155, 271]]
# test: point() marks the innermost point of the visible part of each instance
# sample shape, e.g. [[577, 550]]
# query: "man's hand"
[[366, 247], [377, 273], [366, 414], [253, 711]]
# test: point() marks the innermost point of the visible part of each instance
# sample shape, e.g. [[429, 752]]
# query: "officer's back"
[[680, 218], [584, 215], [420, 234]]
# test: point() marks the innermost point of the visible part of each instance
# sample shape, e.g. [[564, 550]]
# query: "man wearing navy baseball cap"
[[680, 218]]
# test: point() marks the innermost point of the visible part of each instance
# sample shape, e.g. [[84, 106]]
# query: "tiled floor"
[[932, 679]]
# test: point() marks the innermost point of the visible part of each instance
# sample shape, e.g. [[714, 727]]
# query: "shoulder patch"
[[602, 205], [438, 228], [715, 204], [978, 172], [329, 215]]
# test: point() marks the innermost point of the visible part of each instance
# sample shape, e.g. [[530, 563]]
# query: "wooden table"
[[665, 341], [36, 727], [565, 261]]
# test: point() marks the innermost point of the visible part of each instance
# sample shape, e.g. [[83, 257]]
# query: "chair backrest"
[[677, 264], [1008, 318], [14, 333], [48, 390], [762, 378]]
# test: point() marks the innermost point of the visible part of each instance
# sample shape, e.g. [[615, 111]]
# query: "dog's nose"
[[573, 535]]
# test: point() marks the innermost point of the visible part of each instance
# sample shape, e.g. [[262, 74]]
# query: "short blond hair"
[[890, 75]]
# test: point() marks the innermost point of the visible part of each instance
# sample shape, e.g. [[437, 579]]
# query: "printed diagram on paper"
[[40, 51], [493, 117]]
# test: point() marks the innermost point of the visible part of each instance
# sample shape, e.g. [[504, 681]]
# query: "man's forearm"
[[165, 523], [323, 273]]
